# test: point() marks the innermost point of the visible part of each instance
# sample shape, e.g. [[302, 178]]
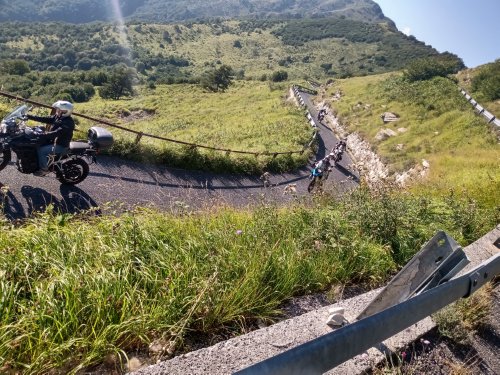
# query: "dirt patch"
[[131, 116], [433, 354]]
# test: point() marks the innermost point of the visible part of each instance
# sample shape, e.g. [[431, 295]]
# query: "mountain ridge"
[[84, 11]]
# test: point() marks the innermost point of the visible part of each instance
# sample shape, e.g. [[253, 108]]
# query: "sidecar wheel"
[[5, 157], [73, 172]]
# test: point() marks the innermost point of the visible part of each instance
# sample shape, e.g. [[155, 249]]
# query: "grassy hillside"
[[439, 126], [250, 116], [181, 53]]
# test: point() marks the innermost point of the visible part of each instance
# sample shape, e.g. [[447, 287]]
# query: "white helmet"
[[64, 106]]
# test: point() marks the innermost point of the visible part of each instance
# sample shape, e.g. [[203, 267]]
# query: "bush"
[[279, 76]]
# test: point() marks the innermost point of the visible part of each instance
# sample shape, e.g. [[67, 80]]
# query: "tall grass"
[[74, 289]]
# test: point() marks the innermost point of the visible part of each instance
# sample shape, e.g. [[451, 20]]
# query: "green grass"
[[441, 127], [75, 289]]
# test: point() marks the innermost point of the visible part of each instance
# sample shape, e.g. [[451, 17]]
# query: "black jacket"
[[61, 130]]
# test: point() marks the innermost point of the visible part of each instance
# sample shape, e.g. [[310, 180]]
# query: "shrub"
[[279, 76]]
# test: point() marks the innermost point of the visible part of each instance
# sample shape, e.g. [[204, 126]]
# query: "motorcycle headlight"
[[8, 127]]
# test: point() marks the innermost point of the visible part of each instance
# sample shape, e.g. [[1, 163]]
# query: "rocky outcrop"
[[389, 117]]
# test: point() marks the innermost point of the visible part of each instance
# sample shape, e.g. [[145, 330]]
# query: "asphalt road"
[[126, 184]]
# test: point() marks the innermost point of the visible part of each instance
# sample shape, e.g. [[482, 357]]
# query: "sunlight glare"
[[122, 30]]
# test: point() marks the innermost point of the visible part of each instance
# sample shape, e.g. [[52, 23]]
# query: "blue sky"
[[467, 28]]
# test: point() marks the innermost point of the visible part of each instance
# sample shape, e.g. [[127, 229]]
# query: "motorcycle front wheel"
[[5, 157], [73, 172]]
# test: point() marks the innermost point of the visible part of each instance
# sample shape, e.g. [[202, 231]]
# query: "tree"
[[430, 67], [487, 81], [15, 67], [119, 83], [219, 79], [84, 64], [326, 67], [166, 37]]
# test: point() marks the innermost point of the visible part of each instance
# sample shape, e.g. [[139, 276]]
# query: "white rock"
[[384, 134], [336, 310], [134, 364], [335, 320]]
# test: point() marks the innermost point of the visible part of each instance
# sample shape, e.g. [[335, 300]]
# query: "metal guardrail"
[[434, 263], [305, 89], [296, 93], [328, 351], [491, 118], [139, 134], [422, 287]]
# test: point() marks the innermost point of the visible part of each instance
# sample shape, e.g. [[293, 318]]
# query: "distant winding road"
[[128, 184]]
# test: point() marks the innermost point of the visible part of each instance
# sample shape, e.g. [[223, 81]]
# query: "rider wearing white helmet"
[[58, 137]]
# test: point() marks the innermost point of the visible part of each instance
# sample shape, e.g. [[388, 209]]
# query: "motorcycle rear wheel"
[[73, 172], [5, 157], [310, 187]]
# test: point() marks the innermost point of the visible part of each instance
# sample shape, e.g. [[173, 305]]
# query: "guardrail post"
[[138, 138]]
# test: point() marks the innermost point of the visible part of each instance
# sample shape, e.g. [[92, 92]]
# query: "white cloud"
[[406, 30]]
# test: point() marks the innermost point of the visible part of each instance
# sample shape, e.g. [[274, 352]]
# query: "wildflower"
[[239, 231]]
